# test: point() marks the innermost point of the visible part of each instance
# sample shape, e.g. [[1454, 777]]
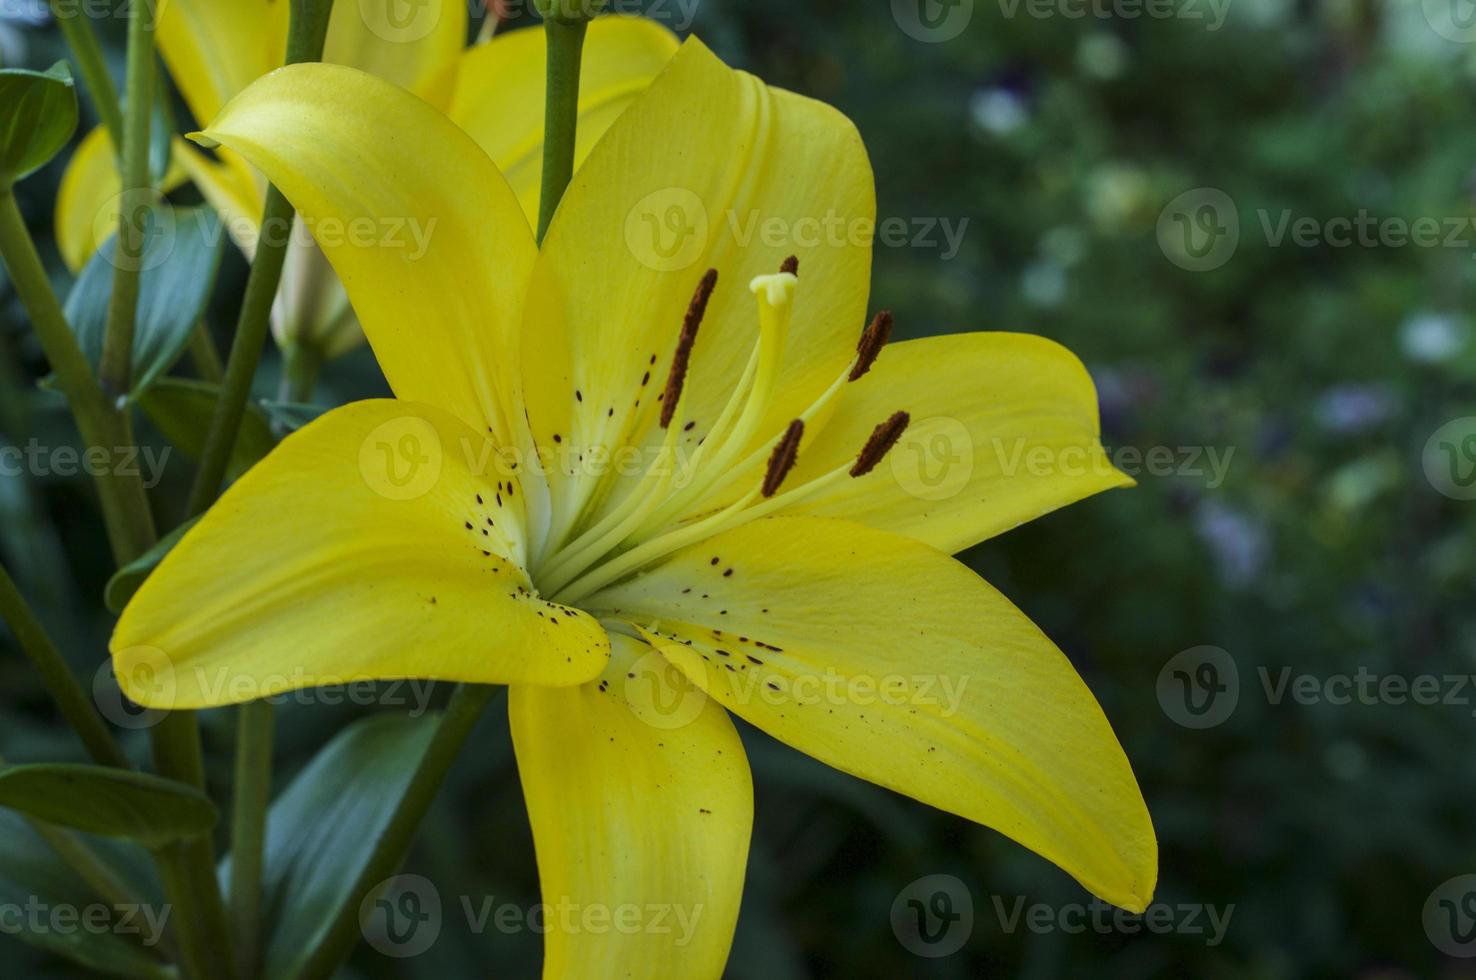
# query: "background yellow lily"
[[494, 91], [336, 559]]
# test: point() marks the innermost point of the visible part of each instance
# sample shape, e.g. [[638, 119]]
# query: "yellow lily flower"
[[790, 567], [494, 91]]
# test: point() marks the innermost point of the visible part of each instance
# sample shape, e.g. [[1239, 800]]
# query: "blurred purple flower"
[[1238, 542], [1352, 408]]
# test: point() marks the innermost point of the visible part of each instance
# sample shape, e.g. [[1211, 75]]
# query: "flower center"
[[663, 513]]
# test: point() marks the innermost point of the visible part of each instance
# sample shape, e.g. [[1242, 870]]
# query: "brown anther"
[[678, 374], [781, 460], [883, 438], [873, 339], [790, 265]]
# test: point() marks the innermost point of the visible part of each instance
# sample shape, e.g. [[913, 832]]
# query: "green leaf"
[[33, 876], [182, 410], [161, 136], [113, 802], [291, 416], [178, 262], [126, 580], [322, 830], [38, 114]]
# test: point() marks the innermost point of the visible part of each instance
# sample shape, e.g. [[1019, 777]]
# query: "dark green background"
[[1060, 140]]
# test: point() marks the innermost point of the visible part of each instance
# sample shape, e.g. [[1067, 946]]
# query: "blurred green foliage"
[[1055, 143]]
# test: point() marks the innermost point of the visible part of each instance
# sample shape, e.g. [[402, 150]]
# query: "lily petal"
[[710, 168], [500, 90], [355, 551], [410, 44], [891, 661], [1003, 429], [215, 48], [641, 803], [425, 234]]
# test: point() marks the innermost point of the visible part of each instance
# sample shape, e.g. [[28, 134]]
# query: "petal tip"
[[203, 138]]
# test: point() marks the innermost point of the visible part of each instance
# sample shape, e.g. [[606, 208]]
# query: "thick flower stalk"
[[656, 471]]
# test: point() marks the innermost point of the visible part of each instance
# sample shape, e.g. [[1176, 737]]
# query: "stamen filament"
[[649, 551], [616, 526], [741, 511], [776, 304]]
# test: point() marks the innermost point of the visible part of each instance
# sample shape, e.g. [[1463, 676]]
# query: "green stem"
[[176, 739], [116, 370], [204, 355], [100, 877], [58, 678], [95, 872], [254, 723], [181, 887], [125, 506], [560, 113], [301, 362], [104, 880], [190, 876], [83, 42], [251, 332], [306, 33], [458, 720]]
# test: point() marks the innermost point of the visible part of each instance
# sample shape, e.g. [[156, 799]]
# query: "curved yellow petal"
[[891, 661], [1003, 429], [86, 201], [215, 48], [229, 185], [500, 88], [424, 233], [408, 43], [371, 544], [710, 168], [641, 803]]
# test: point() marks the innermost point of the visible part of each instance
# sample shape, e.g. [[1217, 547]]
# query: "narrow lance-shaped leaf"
[[182, 409], [177, 265], [113, 802], [32, 874], [322, 831], [38, 114]]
